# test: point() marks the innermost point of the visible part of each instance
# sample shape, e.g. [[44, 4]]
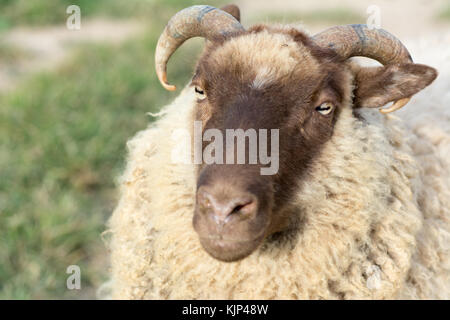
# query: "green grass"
[[47, 12], [444, 13], [62, 146], [43, 12], [328, 16]]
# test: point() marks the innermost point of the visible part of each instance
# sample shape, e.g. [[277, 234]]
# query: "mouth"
[[228, 250]]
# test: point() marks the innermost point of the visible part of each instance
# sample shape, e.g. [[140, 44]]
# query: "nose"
[[224, 208]]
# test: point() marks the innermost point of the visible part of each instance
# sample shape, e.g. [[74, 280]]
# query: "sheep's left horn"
[[196, 21], [359, 40]]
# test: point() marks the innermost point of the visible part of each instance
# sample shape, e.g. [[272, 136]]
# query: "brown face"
[[260, 80]]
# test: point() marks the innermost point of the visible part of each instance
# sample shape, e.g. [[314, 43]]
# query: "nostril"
[[222, 208], [244, 209], [238, 208]]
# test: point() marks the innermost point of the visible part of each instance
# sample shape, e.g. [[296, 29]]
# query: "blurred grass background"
[[336, 15], [62, 145], [47, 12], [63, 134], [444, 14]]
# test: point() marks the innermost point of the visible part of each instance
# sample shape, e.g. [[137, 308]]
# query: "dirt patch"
[[43, 48]]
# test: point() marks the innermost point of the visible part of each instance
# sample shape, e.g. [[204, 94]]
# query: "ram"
[[356, 207]]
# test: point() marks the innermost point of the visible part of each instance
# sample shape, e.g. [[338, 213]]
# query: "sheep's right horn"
[[196, 21]]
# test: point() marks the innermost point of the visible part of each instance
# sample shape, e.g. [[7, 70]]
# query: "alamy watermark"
[[74, 280], [74, 20], [215, 151], [374, 18], [373, 281]]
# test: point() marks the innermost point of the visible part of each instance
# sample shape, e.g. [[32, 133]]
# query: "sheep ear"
[[233, 10], [376, 86]]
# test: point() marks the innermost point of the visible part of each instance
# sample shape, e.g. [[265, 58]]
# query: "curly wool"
[[371, 220]]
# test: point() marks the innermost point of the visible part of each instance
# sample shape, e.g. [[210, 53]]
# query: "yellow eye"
[[200, 93], [325, 108]]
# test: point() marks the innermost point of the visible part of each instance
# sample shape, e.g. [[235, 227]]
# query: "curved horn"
[[358, 40], [196, 21]]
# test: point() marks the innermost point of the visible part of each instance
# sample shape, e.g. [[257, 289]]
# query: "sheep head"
[[275, 79]]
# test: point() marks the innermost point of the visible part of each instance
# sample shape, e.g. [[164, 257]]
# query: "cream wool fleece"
[[371, 220]]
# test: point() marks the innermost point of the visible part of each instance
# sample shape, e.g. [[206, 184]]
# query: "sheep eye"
[[325, 108], [200, 93]]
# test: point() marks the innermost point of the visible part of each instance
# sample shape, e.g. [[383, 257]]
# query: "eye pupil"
[[325, 108], [199, 91]]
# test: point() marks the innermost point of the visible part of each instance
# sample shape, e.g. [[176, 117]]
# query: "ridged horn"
[[359, 40], [196, 21]]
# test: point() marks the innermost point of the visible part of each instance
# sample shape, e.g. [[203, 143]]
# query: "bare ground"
[[43, 48]]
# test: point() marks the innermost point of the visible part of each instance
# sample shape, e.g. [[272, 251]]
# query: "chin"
[[230, 250]]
